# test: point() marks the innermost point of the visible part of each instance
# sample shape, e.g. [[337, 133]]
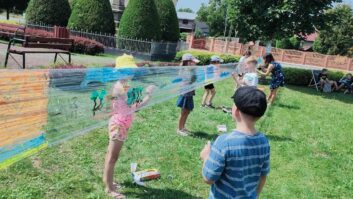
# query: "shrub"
[[140, 21], [92, 15], [183, 36], [168, 20], [50, 12], [288, 43], [205, 57], [302, 77]]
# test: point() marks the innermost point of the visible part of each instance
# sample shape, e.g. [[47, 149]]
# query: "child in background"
[[250, 77], [210, 90], [236, 165], [120, 122], [277, 77], [240, 70], [186, 101], [326, 84], [346, 82]]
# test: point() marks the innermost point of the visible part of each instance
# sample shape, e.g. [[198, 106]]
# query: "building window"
[[185, 21]]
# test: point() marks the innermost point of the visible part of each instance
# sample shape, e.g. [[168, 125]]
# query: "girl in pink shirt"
[[122, 117]]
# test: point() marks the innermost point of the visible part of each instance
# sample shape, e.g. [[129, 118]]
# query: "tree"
[[268, 19], [92, 15], [288, 43], [13, 6], [214, 16], [168, 20], [336, 36], [50, 12], [185, 10], [140, 21]]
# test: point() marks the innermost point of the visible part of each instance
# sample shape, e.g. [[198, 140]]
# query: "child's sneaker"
[[182, 132]]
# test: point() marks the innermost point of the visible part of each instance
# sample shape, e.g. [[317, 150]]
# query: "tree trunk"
[[7, 13]]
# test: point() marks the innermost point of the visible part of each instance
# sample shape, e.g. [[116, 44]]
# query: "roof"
[[186, 15], [311, 37]]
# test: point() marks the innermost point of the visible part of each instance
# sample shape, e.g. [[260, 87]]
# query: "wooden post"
[[212, 44], [326, 61], [225, 50], [282, 54], [191, 41], [350, 62], [304, 57]]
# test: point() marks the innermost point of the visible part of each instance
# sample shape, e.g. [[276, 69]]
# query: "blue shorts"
[[186, 102]]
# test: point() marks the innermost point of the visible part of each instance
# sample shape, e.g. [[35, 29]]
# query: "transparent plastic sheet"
[[47, 107]]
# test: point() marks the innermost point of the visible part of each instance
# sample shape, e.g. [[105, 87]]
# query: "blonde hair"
[[251, 59]]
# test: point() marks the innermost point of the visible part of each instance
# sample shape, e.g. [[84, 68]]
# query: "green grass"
[[311, 152]]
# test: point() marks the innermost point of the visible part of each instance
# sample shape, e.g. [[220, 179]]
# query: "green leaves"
[[49, 12], [92, 15], [336, 35]]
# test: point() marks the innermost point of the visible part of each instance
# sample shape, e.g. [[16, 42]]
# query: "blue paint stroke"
[[20, 148]]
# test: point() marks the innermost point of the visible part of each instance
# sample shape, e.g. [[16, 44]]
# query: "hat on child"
[[216, 58], [251, 101], [190, 57], [125, 61]]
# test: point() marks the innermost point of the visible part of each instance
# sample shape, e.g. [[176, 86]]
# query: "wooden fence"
[[282, 55]]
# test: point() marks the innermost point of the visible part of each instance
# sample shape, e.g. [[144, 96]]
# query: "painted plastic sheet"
[[39, 108]]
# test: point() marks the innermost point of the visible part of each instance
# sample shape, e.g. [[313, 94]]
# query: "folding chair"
[[315, 81]]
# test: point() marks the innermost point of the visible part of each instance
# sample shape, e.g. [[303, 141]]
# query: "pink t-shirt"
[[123, 114]]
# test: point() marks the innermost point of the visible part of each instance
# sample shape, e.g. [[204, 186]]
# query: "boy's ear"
[[235, 111]]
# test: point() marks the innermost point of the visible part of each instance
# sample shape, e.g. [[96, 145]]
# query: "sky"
[[196, 4]]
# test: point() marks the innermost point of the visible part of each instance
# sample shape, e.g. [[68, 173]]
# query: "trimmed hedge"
[[302, 77], [140, 21], [92, 15], [205, 57], [50, 12], [168, 19]]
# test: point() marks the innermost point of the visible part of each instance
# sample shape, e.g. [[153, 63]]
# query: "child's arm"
[[261, 185], [147, 98], [268, 71], [237, 79]]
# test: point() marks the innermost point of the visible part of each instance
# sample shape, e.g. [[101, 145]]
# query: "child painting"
[[346, 82], [210, 90], [122, 117], [250, 77], [186, 101], [277, 77]]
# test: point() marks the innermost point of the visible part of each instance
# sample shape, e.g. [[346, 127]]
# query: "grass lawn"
[[311, 152]]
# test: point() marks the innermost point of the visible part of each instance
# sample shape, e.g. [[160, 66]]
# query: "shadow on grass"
[[149, 193], [334, 95], [277, 138], [203, 135], [287, 106]]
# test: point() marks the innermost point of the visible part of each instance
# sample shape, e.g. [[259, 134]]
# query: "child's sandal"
[[117, 186]]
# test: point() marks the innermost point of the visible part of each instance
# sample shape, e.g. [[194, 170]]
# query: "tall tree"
[[269, 19], [336, 36], [185, 10], [168, 19], [214, 15], [92, 15], [12, 6], [50, 12], [140, 21]]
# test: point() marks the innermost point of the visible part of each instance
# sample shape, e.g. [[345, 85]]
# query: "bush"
[[49, 12], [205, 57], [183, 36], [168, 20], [302, 77], [92, 15], [140, 21], [288, 43]]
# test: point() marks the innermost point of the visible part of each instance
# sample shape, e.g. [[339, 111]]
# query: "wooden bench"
[[39, 45]]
